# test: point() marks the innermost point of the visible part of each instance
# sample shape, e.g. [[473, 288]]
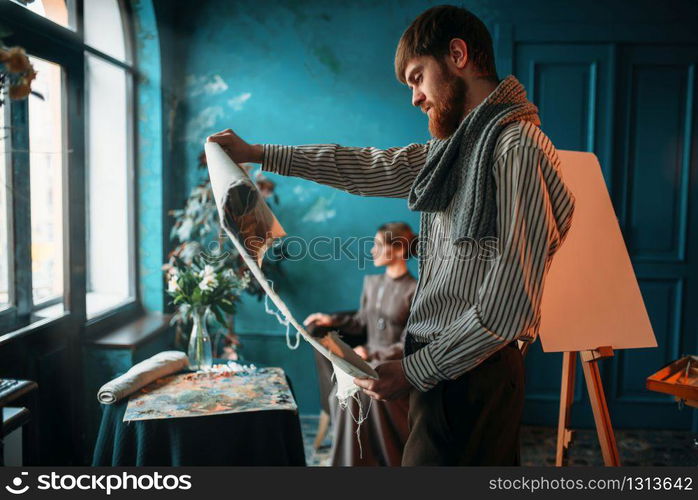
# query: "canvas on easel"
[[591, 302]]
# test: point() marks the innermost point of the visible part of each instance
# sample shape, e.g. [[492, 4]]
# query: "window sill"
[[39, 325], [50, 312], [134, 333]]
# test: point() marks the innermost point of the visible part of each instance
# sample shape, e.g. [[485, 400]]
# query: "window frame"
[[65, 46]]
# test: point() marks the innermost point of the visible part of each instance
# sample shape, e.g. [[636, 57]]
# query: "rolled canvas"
[[141, 374], [245, 217]]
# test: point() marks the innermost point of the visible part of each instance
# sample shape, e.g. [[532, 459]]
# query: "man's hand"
[[238, 150], [392, 383], [320, 319], [362, 352]]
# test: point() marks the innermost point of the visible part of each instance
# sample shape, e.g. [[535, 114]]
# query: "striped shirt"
[[475, 297]]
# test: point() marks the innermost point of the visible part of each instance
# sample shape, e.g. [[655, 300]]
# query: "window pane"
[[109, 230], [103, 28], [46, 181], [5, 191], [58, 11]]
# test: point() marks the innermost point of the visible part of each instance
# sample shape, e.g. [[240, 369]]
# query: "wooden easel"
[[602, 418], [591, 305]]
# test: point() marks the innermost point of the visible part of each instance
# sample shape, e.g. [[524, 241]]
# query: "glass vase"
[[199, 352]]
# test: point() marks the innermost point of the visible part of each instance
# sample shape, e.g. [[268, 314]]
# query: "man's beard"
[[449, 107]]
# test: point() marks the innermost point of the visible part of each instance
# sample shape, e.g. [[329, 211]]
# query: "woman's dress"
[[385, 307]]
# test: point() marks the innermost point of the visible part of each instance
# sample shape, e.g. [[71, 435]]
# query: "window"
[[104, 29], [58, 11], [110, 249], [46, 150], [110, 252], [73, 143]]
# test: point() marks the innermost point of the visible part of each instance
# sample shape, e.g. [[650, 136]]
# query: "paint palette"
[[201, 394], [679, 378]]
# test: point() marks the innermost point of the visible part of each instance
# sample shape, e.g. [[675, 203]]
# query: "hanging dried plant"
[[16, 74]]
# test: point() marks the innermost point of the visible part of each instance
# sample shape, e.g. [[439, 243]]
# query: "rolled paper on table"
[[141, 374]]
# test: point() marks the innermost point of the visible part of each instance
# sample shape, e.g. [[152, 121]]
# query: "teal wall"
[[299, 72], [149, 151], [291, 75]]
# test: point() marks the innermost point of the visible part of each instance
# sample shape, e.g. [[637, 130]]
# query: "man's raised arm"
[[363, 171]]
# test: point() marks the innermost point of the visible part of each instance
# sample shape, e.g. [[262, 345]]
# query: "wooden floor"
[[636, 447]]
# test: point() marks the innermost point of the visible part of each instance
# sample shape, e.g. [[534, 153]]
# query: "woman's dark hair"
[[431, 34], [400, 234]]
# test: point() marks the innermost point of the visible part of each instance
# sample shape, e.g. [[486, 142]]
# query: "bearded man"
[[494, 210]]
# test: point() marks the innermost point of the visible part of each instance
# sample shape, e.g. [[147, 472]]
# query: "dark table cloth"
[[257, 438]]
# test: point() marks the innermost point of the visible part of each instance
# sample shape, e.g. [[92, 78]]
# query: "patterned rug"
[[645, 447]]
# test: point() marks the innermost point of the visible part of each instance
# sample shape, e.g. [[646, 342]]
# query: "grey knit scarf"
[[458, 170]]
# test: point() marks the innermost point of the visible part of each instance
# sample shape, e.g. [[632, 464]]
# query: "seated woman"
[[385, 306]]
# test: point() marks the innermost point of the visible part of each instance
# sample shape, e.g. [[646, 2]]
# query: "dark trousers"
[[472, 420]]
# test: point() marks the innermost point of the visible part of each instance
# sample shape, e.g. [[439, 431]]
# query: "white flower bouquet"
[[202, 286]]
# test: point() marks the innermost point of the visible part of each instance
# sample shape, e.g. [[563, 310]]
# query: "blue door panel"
[[655, 155], [656, 173], [568, 83]]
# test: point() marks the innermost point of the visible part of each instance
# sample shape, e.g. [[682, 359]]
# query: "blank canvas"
[[591, 297]]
